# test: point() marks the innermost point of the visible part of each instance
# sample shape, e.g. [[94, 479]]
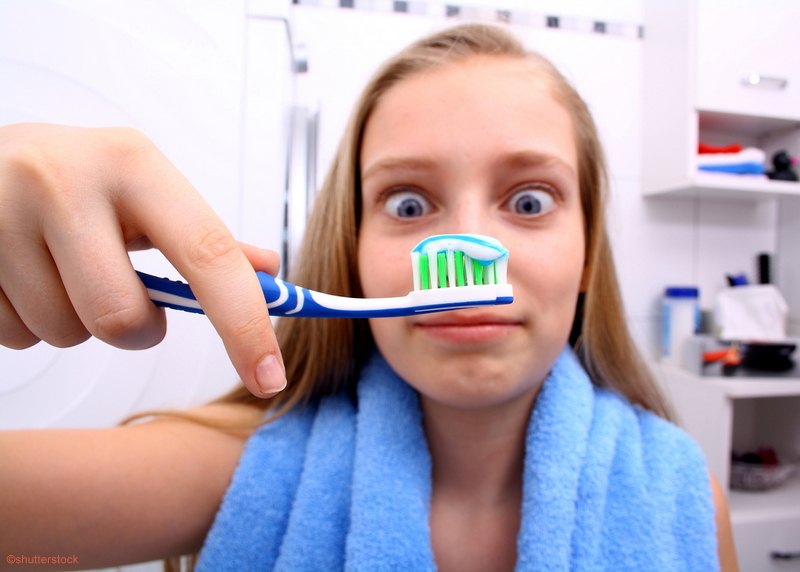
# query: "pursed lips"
[[467, 326]]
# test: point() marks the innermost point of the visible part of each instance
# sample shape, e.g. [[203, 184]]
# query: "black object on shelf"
[[783, 167], [764, 276], [765, 356]]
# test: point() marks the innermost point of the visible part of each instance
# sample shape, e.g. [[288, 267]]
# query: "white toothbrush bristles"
[[415, 270]]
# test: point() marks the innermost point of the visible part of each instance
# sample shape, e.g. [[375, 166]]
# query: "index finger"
[[196, 241]]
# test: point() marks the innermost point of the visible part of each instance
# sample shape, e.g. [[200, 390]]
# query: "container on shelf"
[[680, 319], [755, 477]]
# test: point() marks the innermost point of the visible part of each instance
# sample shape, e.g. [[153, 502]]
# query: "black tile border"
[[467, 11]]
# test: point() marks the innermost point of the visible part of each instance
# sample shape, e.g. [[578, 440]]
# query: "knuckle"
[[209, 245], [253, 326], [25, 165], [125, 145], [68, 337], [45, 163], [129, 154], [117, 318], [17, 338]]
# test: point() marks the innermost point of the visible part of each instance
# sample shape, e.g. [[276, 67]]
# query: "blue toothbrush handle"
[[283, 299]]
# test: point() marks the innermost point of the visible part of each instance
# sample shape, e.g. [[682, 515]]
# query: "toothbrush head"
[[454, 260]]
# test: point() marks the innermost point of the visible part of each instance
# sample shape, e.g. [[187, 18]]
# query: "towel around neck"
[[606, 486]]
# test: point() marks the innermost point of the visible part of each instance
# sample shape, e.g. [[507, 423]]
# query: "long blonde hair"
[[323, 356]]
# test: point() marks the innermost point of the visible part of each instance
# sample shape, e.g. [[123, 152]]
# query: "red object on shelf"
[[705, 149], [768, 456], [729, 356]]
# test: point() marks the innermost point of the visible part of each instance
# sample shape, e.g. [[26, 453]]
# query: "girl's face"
[[474, 147]]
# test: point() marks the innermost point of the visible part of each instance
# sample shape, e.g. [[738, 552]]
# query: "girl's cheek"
[[383, 270]]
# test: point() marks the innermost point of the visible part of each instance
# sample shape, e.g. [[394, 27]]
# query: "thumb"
[[262, 259]]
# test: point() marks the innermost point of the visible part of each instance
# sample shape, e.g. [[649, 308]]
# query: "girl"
[[468, 440]]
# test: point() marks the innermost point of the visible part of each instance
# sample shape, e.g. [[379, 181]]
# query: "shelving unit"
[[715, 128], [723, 414], [697, 56]]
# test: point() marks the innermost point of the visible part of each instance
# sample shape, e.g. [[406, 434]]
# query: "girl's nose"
[[471, 214]]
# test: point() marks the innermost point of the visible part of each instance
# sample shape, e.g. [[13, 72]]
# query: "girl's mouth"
[[468, 328]]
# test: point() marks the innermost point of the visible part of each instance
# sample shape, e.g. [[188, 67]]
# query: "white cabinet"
[[746, 57], [724, 414], [760, 545], [697, 54]]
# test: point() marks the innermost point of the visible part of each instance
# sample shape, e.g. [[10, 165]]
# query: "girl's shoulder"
[[665, 448]]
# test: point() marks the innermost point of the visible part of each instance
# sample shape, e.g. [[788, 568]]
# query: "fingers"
[[164, 206], [72, 201], [36, 305], [107, 296], [63, 269], [14, 333], [223, 280]]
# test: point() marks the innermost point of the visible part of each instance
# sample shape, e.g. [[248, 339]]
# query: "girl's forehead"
[[480, 105], [503, 70]]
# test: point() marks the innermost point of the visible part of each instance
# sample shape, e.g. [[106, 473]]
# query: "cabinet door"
[[768, 545], [739, 39]]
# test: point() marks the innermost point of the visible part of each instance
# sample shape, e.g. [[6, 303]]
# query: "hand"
[[72, 202]]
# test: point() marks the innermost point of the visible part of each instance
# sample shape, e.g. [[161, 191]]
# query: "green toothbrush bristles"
[[459, 257], [460, 270], [441, 259], [424, 279]]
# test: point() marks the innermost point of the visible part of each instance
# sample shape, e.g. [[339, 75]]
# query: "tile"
[[653, 245], [730, 236]]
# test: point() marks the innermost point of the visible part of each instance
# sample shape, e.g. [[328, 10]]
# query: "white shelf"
[[739, 388], [780, 503], [727, 187], [733, 387]]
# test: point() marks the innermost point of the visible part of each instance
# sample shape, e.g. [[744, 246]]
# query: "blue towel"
[[606, 486], [735, 169]]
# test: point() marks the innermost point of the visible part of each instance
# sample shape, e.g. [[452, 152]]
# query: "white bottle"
[[680, 319]]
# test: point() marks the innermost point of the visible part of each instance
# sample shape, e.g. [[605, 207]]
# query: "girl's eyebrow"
[[517, 159], [398, 164], [522, 159]]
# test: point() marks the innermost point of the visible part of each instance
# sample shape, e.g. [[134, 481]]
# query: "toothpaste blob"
[[451, 260]]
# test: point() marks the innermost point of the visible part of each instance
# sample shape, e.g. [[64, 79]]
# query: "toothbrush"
[[451, 272]]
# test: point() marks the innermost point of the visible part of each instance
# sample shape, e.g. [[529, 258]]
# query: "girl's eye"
[[407, 204], [531, 202]]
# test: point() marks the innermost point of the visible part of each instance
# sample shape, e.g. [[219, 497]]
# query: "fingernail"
[[270, 375]]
